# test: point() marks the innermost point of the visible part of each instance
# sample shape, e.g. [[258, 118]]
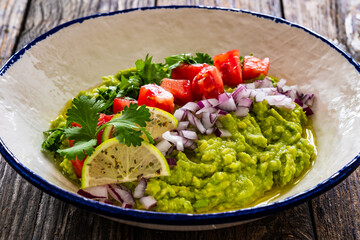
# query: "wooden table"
[[28, 213]]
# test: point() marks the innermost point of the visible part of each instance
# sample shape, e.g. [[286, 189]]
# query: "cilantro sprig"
[[175, 60], [129, 127]]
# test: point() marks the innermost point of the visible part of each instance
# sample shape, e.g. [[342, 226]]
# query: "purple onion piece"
[[222, 133], [187, 143], [126, 205], [308, 111], [97, 192], [242, 111], [183, 125], [171, 162], [280, 101], [209, 131], [213, 102], [180, 114], [113, 193], [163, 146], [244, 102], [206, 110], [148, 202], [139, 190], [189, 134], [191, 106]]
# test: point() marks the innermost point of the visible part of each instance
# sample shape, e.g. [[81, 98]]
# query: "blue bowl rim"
[[177, 219]]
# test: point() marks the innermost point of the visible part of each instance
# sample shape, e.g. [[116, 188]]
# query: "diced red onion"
[[260, 97], [180, 114], [281, 83], [188, 143], [240, 92], [219, 132], [226, 102], [97, 192], [114, 194], [244, 102], [139, 190], [280, 101], [204, 104], [126, 205], [189, 134], [308, 99], [213, 102], [176, 140], [222, 112], [182, 125], [250, 86], [308, 111], [206, 109], [163, 146], [191, 106], [209, 131], [106, 201], [148, 202], [208, 119], [171, 162], [241, 111], [196, 122], [300, 103]]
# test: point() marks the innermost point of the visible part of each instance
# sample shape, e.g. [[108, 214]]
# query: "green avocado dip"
[[265, 151], [267, 148]]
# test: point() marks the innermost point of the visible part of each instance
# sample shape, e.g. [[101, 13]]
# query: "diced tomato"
[[120, 103], [207, 84], [74, 124], [78, 165], [187, 71], [180, 89], [230, 67], [153, 95], [253, 67], [102, 119]]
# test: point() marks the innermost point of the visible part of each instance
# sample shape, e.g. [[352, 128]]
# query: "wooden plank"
[[11, 17], [336, 213], [45, 15]]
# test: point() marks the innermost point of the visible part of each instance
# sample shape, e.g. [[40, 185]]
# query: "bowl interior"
[[36, 87]]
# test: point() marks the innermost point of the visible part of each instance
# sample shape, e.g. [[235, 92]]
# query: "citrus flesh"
[[114, 162], [160, 122]]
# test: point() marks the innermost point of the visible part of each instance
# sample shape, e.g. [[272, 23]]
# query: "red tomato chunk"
[[153, 95], [120, 103], [180, 89], [230, 67], [187, 71], [253, 67], [207, 84]]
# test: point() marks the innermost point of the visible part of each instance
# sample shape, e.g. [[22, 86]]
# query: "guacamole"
[[267, 148], [266, 145]]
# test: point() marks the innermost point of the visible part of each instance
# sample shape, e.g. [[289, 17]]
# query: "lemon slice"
[[114, 162], [160, 122]]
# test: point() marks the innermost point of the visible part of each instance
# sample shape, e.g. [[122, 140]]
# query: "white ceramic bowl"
[[39, 79]]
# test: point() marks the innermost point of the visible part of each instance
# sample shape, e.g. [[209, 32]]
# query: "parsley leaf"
[[54, 139], [129, 127], [151, 72], [79, 150], [175, 60], [85, 112]]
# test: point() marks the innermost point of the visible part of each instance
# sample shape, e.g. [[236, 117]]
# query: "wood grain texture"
[[11, 17]]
